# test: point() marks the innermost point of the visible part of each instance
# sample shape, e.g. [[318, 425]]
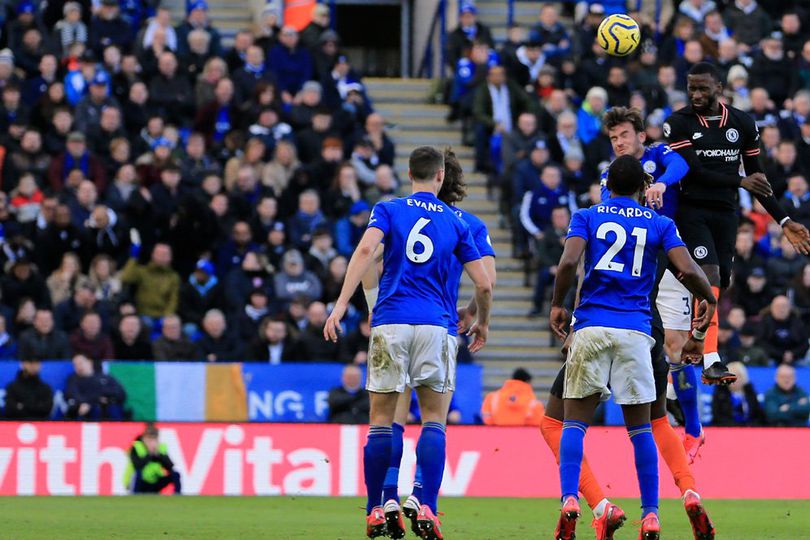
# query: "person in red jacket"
[[514, 404]]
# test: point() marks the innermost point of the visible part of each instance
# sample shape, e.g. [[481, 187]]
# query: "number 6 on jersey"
[[416, 237]]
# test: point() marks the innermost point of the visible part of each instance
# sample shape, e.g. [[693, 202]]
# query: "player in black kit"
[[715, 139]]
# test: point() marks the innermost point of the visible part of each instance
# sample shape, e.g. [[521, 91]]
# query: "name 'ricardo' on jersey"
[[720, 142]]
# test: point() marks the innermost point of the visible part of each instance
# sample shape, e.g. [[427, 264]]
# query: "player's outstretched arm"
[[466, 316], [483, 300], [371, 279], [695, 281], [361, 261], [566, 275]]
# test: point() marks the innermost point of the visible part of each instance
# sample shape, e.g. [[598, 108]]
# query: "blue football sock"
[[417, 483], [646, 466], [571, 449], [391, 483], [376, 457], [430, 455], [684, 379]]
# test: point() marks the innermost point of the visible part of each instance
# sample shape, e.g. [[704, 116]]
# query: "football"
[[618, 35]]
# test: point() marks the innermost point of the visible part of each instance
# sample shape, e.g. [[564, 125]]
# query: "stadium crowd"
[[532, 107], [168, 198]]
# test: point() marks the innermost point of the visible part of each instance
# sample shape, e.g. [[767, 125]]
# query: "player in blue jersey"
[[423, 239], [626, 131], [453, 191], [620, 241]]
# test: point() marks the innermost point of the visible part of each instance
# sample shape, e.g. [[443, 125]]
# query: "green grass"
[[89, 518]]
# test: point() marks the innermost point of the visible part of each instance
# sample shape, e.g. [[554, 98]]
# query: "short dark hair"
[[626, 176], [454, 189], [424, 163], [705, 68], [620, 115], [521, 374]]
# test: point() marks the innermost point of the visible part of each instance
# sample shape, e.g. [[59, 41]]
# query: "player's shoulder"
[[469, 218], [657, 149], [739, 117]]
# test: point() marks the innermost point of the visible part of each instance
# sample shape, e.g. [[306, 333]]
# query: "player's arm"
[[566, 276], [675, 168], [483, 300], [361, 261], [371, 279], [467, 315]]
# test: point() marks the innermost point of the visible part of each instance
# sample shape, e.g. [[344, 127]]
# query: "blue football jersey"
[[664, 165], [621, 257], [480, 236], [424, 242]]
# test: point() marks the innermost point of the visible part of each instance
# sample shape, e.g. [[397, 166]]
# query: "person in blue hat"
[[19, 25], [349, 229], [200, 293], [88, 110], [197, 19], [469, 29]]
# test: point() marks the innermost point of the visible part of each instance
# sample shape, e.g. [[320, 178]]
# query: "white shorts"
[[600, 357], [401, 355], [674, 303]]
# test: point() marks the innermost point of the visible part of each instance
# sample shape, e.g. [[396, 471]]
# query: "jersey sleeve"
[[579, 225], [676, 132], [750, 133], [675, 167], [482, 240], [670, 237], [380, 218], [465, 249]]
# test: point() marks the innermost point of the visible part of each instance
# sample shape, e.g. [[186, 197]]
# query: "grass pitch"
[[282, 518]]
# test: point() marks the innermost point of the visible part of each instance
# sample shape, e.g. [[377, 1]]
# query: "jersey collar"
[[424, 195], [723, 117]]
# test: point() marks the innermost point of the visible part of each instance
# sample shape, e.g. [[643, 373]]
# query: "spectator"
[[514, 404], [64, 281], [797, 199], [197, 19], [92, 395], [218, 343], [748, 22], [755, 296], [249, 317], [349, 402], [549, 248], [496, 108], [272, 343], [383, 146], [88, 340], [170, 91], [109, 28], [88, 110], [76, 157], [69, 312], [310, 346], [150, 468], [538, 204], [772, 70], [737, 404], [157, 285], [130, 343], [255, 70], [589, 117], [290, 63], [800, 292], [385, 185], [28, 397], [349, 230], [469, 29], [786, 404], [200, 294], [749, 353], [172, 344], [311, 34], [308, 217], [781, 270], [276, 174], [70, 29], [43, 340], [782, 333]]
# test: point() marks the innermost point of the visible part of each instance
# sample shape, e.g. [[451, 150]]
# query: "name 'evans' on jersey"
[[424, 243]]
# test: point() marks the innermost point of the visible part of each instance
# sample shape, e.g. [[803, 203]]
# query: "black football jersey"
[[720, 143]]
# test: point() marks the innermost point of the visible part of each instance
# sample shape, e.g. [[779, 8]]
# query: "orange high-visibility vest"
[[298, 13], [514, 404]]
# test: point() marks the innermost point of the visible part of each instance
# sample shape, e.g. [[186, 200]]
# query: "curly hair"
[[620, 115], [454, 189]]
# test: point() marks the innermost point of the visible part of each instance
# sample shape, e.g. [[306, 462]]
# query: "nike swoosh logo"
[[697, 136]]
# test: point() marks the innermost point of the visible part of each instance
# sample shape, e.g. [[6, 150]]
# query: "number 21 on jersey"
[[607, 262]]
